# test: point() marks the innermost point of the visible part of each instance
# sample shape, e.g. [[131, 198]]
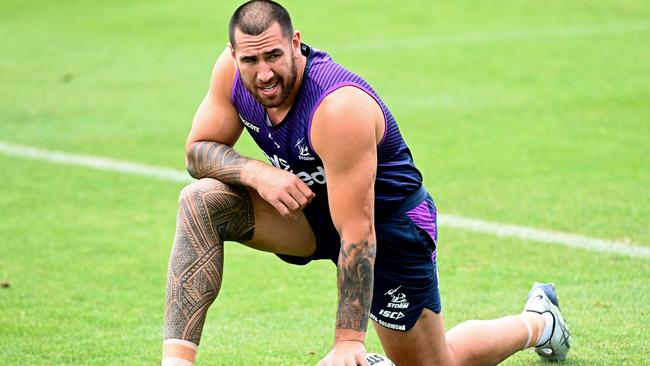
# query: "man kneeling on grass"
[[343, 187]]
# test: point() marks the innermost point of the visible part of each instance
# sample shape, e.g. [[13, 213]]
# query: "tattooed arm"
[[215, 129], [345, 131], [283, 190], [209, 152], [215, 160]]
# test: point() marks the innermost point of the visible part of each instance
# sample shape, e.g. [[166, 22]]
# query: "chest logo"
[[317, 177], [303, 150], [249, 125]]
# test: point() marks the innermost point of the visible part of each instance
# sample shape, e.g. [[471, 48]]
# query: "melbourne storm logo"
[[398, 302], [303, 150]]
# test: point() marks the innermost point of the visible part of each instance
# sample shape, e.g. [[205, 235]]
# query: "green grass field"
[[520, 112]]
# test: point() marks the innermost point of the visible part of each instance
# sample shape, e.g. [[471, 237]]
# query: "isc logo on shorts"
[[391, 314]]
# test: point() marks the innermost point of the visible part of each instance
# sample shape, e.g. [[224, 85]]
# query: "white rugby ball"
[[378, 360]]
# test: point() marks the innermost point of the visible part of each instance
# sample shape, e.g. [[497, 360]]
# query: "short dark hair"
[[255, 16]]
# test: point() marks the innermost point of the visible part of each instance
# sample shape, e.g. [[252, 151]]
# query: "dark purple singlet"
[[287, 144]]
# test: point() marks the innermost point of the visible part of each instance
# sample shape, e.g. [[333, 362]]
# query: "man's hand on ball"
[[346, 353]]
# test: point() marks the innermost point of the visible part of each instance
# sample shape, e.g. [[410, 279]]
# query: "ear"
[[232, 53], [295, 43], [232, 50]]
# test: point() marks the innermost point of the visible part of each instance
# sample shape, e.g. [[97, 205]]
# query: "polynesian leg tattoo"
[[210, 212], [355, 280], [215, 160]]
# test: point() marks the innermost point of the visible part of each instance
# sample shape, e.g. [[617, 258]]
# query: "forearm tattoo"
[[209, 213], [355, 279], [215, 160]]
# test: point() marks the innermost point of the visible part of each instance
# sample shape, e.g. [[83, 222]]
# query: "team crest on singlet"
[[303, 150]]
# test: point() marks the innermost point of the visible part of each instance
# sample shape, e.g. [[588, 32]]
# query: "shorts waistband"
[[413, 200]]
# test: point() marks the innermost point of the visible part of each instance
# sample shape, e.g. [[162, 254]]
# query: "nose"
[[264, 74]]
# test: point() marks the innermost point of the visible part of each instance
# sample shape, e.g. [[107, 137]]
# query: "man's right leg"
[[211, 212], [482, 342]]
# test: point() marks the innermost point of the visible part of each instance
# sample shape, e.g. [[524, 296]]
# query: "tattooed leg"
[[210, 212]]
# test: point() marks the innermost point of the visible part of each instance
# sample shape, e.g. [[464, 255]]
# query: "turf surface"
[[535, 114]]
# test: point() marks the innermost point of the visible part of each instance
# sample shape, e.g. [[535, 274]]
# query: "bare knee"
[[197, 188], [462, 349], [225, 209]]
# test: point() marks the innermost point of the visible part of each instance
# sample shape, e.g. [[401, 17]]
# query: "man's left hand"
[[346, 353]]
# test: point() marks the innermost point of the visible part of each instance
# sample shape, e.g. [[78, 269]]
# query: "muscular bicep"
[[216, 118], [345, 132]]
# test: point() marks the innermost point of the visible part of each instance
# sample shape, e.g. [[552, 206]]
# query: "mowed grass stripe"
[[454, 221], [558, 32]]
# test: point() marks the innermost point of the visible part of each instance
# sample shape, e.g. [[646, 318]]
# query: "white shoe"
[[543, 299]]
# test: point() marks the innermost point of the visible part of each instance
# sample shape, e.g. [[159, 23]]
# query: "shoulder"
[[347, 101], [223, 75], [348, 114]]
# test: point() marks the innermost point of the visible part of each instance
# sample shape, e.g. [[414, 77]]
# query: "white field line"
[[94, 162], [558, 32], [543, 236], [454, 221]]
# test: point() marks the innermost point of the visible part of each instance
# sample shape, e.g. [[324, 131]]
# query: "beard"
[[286, 86]]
